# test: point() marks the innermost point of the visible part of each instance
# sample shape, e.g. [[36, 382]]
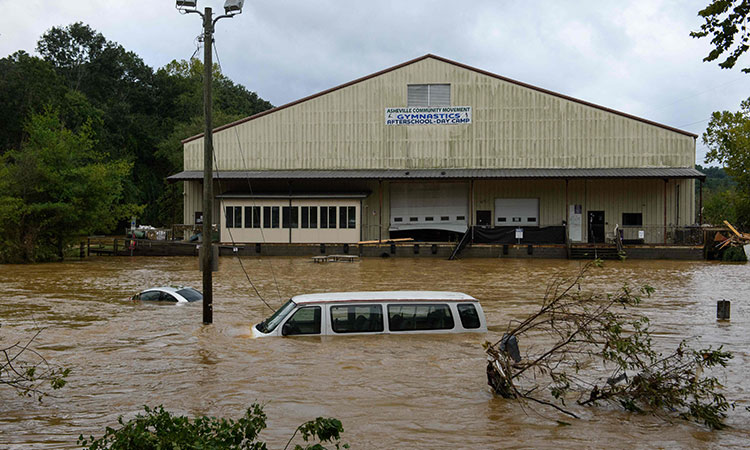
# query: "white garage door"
[[435, 206], [511, 212]]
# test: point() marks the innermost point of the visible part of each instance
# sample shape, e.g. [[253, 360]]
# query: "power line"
[[698, 94]]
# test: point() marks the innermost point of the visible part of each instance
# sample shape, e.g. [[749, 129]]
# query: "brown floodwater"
[[389, 391]]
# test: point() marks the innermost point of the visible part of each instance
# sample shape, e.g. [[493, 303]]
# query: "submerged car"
[[169, 294], [389, 312]]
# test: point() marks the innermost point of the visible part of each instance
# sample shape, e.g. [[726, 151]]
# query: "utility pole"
[[231, 9], [207, 255]]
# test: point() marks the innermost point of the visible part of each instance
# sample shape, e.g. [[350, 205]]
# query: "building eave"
[[446, 174]]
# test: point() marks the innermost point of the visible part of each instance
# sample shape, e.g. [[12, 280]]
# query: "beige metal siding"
[[513, 127]]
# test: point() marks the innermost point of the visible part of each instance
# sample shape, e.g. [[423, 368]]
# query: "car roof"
[[401, 296], [170, 289]]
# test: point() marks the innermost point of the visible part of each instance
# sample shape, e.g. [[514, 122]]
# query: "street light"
[[231, 9]]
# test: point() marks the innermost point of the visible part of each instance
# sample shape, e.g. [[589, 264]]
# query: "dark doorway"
[[596, 227], [484, 218]]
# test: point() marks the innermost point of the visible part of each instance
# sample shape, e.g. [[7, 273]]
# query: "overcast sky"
[[633, 56]]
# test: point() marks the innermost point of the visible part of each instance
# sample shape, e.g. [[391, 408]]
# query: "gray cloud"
[[633, 56]]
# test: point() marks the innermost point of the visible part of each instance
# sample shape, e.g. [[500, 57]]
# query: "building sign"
[[431, 115]]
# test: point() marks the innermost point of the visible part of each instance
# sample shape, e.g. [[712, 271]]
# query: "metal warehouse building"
[[432, 148]]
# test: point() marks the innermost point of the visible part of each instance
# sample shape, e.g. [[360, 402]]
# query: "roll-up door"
[[517, 212], [435, 206]]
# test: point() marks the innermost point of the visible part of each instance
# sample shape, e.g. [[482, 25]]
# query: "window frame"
[[252, 217], [632, 215], [352, 311], [464, 318], [319, 316], [432, 98], [231, 218], [416, 320]]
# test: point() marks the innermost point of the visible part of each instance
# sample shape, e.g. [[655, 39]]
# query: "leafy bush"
[[734, 254], [160, 430]]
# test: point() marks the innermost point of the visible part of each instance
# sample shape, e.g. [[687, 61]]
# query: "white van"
[[355, 313]]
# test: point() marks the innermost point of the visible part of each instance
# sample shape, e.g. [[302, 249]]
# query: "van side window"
[[357, 318], [469, 316], [410, 317], [304, 321]]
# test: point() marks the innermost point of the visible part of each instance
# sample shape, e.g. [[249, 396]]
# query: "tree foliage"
[[728, 140], [55, 188], [159, 429], [594, 350], [726, 23], [129, 113]]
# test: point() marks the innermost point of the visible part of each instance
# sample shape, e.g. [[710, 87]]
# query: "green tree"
[[27, 85], [56, 188], [726, 22], [728, 140]]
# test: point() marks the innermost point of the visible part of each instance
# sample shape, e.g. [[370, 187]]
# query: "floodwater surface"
[[389, 391]]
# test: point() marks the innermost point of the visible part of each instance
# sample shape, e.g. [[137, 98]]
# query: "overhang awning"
[[436, 174]]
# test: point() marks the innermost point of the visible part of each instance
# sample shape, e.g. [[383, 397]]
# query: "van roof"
[[332, 297]]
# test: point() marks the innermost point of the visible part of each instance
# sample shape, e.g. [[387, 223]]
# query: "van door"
[[304, 321]]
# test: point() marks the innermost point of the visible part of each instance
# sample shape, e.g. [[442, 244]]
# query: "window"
[[252, 216], [632, 219], [266, 217], [309, 217], [167, 298], [398, 219], [150, 295], [347, 217], [234, 216], [190, 294], [270, 217], [468, 314], [428, 95], [327, 217], [357, 318], [304, 321], [289, 217], [274, 217], [419, 317], [272, 322], [445, 218]]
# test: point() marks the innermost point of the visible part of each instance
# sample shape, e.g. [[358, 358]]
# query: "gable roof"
[[454, 63]]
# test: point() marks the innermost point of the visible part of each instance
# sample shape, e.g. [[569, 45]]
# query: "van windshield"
[[272, 322]]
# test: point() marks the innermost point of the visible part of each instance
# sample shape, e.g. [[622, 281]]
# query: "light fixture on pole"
[[231, 9]]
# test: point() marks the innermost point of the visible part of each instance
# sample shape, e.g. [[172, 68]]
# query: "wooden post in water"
[[723, 310]]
